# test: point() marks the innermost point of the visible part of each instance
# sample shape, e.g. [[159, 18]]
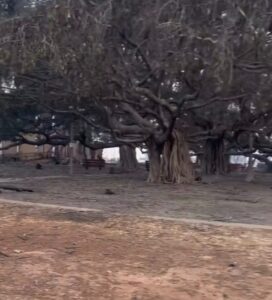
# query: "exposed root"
[[176, 166]]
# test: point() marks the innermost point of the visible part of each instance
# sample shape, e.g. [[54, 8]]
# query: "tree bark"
[[251, 161], [176, 164], [250, 170], [154, 154], [269, 167], [128, 159], [170, 163], [214, 160]]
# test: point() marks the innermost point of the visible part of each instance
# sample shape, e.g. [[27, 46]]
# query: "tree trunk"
[[57, 157], [174, 165], [85, 153], [250, 169], [78, 152], [214, 161], [269, 167], [154, 154], [251, 161], [93, 154], [128, 160]]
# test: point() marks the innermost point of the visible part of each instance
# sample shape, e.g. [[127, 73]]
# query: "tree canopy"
[[175, 76]]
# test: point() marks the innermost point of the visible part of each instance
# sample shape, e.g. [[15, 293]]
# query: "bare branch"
[[150, 95], [215, 99]]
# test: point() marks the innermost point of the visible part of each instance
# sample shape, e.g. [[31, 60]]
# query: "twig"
[[16, 189], [4, 254]]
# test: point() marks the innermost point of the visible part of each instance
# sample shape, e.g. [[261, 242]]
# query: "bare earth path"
[[49, 254]]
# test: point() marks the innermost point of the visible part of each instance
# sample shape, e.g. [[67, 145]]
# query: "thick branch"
[[151, 96]]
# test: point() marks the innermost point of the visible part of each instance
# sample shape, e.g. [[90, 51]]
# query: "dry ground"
[[49, 254], [67, 254], [227, 199]]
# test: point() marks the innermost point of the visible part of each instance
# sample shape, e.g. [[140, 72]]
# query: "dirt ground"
[[134, 245], [227, 199], [49, 254]]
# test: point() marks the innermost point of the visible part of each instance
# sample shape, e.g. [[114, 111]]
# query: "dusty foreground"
[[58, 254]]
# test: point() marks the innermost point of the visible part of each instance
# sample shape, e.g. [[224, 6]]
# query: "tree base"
[[214, 161], [174, 164], [128, 160]]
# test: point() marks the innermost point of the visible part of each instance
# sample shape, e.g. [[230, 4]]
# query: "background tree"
[[143, 72]]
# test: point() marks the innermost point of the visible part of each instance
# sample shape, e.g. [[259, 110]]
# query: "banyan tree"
[[152, 69]]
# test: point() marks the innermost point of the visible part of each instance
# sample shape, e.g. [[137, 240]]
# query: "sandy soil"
[[227, 199], [58, 254]]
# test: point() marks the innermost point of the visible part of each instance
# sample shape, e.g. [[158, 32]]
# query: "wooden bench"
[[236, 168], [94, 163], [147, 165]]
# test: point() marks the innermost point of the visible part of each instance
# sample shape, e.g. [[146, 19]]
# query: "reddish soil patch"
[[71, 255]]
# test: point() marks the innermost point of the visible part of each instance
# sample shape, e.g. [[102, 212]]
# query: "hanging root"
[[176, 164], [214, 159]]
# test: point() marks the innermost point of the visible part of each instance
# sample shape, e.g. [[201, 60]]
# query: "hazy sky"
[[113, 153]]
